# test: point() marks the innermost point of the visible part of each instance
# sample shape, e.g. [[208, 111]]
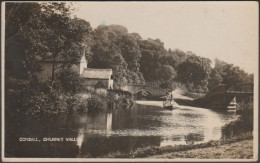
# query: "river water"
[[118, 130]]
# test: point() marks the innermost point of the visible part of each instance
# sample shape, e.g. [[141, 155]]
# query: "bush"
[[101, 92], [40, 104], [81, 102], [68, 81], [96, 104], [90, 89]]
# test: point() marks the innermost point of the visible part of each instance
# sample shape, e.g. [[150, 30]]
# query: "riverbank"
[[39, 99], [236, 148]]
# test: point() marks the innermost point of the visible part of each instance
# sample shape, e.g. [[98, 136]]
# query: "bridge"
[[221, 96], [144, 90]]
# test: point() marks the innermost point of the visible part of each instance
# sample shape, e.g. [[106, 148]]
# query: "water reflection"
[[120, 130], [109, 124], [80, 137]]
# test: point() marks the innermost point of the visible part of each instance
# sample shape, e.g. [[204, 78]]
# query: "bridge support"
[[221, 96]]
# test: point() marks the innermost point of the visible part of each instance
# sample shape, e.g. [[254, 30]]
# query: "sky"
[[224, 30]]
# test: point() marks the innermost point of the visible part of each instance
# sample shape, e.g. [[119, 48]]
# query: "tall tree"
[[195, 71], [151, 51], [230, 74], [48, 33], [107, 53]]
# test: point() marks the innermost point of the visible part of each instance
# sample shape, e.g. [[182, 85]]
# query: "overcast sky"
[[224, 30]]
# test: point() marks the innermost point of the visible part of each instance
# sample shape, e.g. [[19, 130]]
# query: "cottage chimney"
[[83, 62]]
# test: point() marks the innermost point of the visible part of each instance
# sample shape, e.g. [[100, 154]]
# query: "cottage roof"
[[92, 73]]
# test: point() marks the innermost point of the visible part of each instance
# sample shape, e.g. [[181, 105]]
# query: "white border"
[[3, 77], [4, 159]]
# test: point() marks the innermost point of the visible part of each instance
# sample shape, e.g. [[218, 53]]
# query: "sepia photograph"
[[126, 81]]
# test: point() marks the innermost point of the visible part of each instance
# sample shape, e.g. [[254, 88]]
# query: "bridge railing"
[[224, 88], [241, 89]]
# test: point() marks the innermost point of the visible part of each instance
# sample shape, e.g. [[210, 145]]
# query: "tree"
[[195, 71], [48, 29], [230, 74], [173, 58], [214, 79], [151, 52], [131, 52], [15, 44], [107, 53], [167, 73]]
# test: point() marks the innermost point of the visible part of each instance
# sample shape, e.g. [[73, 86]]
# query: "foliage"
[[194, 71], [167, 73], [224, 73], [151, 51], [95, 104], [215, 79], [173, 58], [107, 55], [81, 102], [48, 32], [38, 100], [101, 92], [68, 81]]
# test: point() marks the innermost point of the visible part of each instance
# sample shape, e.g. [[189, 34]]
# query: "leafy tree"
[[229, 74], [68, 81], [131, 52], [195, 71], [151, 51], [150, 65], [173, 58], [46, 27], [167, 73], [106, 53], [115, 48], [215, 79], [118, 29], [15, 24]]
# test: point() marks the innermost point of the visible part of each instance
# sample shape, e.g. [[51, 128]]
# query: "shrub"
[[40, 104], [68, 81], [81, 102], [101, 92], [96, 104], [90, 89]]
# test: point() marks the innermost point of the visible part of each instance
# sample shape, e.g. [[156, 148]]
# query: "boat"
[[170, 105]]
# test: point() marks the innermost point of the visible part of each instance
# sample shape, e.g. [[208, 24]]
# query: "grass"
[[203, 150], [238, 150]]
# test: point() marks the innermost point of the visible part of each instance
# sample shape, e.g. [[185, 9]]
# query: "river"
[[118, 130]]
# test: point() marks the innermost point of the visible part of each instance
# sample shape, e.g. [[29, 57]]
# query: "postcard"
[[129, 81]]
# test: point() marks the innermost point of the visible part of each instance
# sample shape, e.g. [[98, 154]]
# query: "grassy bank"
[[237, 147], [237, 150]]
